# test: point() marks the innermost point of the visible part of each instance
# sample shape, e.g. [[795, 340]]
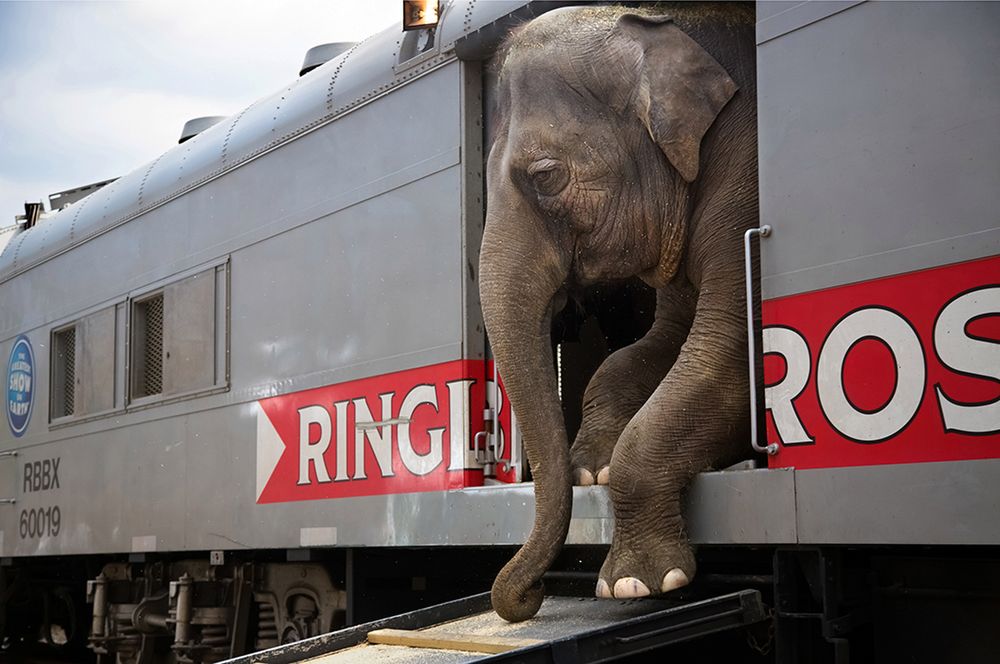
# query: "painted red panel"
[[901, 369], [432, 411]]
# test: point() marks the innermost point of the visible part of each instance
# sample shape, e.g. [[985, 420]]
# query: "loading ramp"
[[566, 630]]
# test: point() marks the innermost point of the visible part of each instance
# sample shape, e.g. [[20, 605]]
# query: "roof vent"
[[318, 55], [197, 125], [61, 199]]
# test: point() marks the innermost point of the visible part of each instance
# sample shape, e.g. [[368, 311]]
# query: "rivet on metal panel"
[[17, 249], [336, 72], [45, 232], [72, 225], [142, 185], [229, 133]]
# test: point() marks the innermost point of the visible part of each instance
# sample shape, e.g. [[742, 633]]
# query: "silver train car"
[[249, 395]]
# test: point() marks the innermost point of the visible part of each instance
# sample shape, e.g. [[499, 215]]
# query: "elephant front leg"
[[694, 420], [625, 381]]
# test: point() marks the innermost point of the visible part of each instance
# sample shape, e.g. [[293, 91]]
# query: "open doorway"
[[605, 318]]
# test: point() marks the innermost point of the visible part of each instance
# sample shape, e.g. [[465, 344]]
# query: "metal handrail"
[[772, 448]]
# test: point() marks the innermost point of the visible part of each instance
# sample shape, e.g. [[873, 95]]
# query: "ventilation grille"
[[64, 373], [147, 378]]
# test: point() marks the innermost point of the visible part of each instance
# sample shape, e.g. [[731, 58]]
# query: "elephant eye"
[[548, 176]]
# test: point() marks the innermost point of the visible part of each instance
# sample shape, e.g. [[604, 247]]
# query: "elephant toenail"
[[604, 475], [603, 590], [675, 578], [628, 586], [583, 477]]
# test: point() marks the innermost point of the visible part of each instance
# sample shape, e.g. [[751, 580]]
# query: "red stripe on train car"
[[901, 369], [402, 432]]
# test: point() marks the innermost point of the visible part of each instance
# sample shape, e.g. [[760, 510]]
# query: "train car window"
[[414, 45], [83, 366], [62, 394], [147, 346], [179, 337]]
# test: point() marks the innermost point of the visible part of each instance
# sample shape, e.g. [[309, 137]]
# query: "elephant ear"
[[681, 88]]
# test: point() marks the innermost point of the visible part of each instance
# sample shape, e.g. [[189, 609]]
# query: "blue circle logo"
[[20, 385]]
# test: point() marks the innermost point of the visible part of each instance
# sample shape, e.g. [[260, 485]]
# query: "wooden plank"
[[448, 640]]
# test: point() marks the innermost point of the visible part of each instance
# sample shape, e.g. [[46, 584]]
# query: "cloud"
[[97, 132], [101, 88]]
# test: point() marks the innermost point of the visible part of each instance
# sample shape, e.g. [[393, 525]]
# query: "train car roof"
[[368, 70]]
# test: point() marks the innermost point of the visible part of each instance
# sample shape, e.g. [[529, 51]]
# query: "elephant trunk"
[[520, 274]]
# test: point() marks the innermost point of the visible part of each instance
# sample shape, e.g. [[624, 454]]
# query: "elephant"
[[625, 146]]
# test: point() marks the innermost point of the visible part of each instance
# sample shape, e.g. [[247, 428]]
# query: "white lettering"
[[379, 436], [419, 464], [341, 409], [458, 423], [20, 382], [313, 452], [779, 398], [967, 355], [896, 333]]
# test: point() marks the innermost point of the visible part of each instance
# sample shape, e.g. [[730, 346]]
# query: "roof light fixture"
[[420, 14]]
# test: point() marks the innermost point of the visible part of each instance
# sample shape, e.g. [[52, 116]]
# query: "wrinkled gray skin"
[[625, 148]]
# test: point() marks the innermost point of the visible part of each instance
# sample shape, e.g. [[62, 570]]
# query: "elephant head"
[[593, 176]]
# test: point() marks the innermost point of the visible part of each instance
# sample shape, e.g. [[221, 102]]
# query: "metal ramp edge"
[[653, 624], [325, 644]]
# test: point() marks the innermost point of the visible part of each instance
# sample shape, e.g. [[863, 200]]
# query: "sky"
[[93, 90]]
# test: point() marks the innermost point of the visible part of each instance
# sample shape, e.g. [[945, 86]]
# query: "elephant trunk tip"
[[514, 602]]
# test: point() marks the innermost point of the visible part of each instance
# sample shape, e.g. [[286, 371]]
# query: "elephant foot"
[[591, 459], [604, 475], [636, 573], [629, 587], [675, 578], [584, 477]]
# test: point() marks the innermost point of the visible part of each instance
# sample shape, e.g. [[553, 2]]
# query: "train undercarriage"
[[205, 611], [187, 610], [822, 604]]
